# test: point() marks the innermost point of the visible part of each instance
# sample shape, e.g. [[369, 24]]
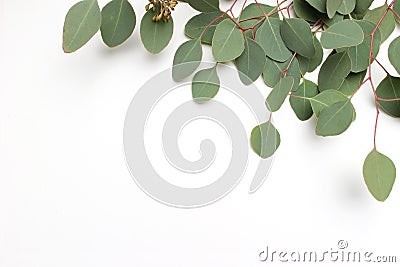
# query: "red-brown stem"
[[395, 13], [285, 71]]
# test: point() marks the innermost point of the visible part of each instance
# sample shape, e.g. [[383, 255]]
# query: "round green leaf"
[[302, 106], [332, 6], [186, 60], [362, 6], [319, 5], [251, 62], [155, 35], [265, 139], [379, 175], [273, 71], [359, 55], [196, 25], [335, 119], [326, 99], [307, 64], [279, 93], [228, 41], [388, 24], [305, 11], [81, 23], [333, 71], [204, 5], [117, 23], [394, 54], [297, 36], [205, 85], [351, 83], [269, 37], [347, 7], [342, 34], [389, 88]]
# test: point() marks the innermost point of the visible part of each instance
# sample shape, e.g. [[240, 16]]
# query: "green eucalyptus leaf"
[[359, 55], [347, 7], [342, 34], [335, 119], [265, 139], [81, 23], [253, 14], [307, 64], [297, 36], [205, 85], [352, 82], [118, 22], [279, 93], [332, 6], [204, 5], [319, 5], [389, 88], [197, 24], [273, 71], [394, 54], [379, 175], [251, 62], [334, 71], [305, 11], [228, 41], [326, 99], [362, 6], [396, 8], [269, 37], [302, 106], [388, 24], [186, 60], [155, 35]]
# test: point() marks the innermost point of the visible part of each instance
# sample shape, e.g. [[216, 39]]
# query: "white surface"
[[66, 196]]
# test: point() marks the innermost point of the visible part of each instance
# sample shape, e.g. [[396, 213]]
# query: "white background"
[[66, 196]]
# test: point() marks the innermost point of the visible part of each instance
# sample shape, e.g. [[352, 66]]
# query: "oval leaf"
[[297, 36], [389, 88], [204, 5], [332, 6], [307, 64], [251, 62], [265, 139], [269, 37], [394, 54], [352, 82], [81, 23], [347, 7], [195, 26], [334, 71], [228, 41], [335, 119], [155, 35], [379, 175], [186, 60], [279, 93], [118, 22], [302, 106], [342, 34], [205, 85], [326, 99]]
